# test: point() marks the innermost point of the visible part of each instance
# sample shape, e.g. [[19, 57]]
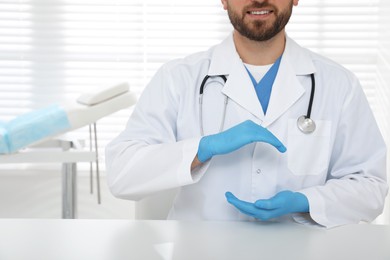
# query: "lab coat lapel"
[[285, 92], [287, 89], [239, 87]]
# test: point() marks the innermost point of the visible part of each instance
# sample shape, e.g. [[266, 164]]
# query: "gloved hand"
[[282, 203], [234, 138]]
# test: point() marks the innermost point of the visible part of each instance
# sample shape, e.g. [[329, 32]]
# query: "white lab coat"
[[340, 167]]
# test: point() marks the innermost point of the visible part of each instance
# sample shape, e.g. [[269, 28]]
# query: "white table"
[[163, 240]]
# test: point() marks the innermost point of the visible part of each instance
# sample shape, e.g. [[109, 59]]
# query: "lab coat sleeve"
[[356, 187], [146, 157]]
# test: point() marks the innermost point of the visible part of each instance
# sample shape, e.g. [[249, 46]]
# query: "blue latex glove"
[[234, 138], [284, 202]]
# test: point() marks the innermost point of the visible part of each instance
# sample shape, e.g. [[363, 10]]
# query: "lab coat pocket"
[[308, 154]]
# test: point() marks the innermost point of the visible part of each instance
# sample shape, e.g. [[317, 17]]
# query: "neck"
[[259, 53]]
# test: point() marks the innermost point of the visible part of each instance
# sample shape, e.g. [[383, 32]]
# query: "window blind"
[[383, 71], [383, 91], [53, 50]]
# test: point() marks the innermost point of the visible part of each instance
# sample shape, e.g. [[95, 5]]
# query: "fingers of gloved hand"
[[256, 133], [234, 138], [233, 199], [262, 134], [240, 204], [249, 209]]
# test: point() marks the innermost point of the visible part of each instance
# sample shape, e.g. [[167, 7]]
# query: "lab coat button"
[[258, 171]]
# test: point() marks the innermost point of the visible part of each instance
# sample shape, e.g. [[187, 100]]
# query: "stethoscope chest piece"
[[306, 124]]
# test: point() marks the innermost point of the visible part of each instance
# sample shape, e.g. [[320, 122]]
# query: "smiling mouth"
[[264, 12]]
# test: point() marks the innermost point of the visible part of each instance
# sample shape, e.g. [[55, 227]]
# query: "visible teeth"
[[260, 12]]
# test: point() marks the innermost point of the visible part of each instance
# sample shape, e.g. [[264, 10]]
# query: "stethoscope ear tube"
[[202, 86]]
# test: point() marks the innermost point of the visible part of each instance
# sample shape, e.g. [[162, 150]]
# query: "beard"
[[260, 30]]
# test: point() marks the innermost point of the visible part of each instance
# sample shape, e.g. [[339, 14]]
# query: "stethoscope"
[[304, 123]]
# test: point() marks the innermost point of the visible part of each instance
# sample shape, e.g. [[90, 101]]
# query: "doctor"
[[252, 160]]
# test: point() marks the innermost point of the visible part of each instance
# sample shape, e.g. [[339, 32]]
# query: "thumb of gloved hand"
[[286, 201]]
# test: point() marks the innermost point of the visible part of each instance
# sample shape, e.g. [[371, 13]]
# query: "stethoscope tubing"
[[313, 88], [304, 123], [226, 100]]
